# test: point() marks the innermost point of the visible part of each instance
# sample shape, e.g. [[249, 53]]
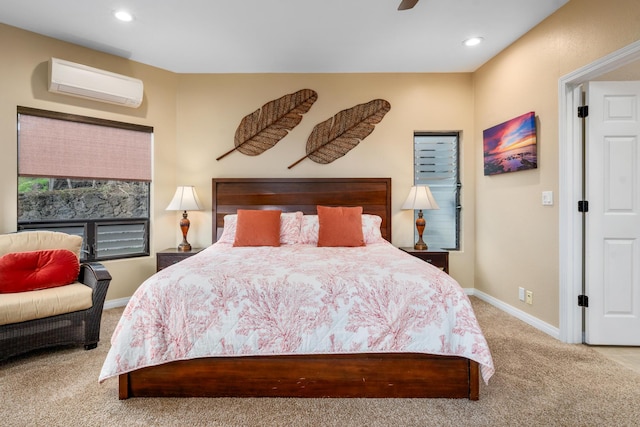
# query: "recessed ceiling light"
[[473, 41], [123, 15]]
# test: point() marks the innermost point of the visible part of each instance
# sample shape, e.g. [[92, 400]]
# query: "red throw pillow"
[[30, 271], [258, 228], [340, 226]]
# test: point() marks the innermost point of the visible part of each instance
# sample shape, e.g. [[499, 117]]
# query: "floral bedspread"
[[298, 299]]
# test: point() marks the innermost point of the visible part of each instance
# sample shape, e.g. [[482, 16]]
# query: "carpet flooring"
[[539, 381]]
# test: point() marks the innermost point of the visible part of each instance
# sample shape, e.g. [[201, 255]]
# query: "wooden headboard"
[[301, 194]]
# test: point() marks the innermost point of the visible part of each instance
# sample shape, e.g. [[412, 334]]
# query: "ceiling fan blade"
[[407, 4]]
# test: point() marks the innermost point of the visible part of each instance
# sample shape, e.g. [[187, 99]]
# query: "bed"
[[211, 364]]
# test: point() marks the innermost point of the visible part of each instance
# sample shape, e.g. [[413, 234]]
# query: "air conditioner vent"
[[86, 82]]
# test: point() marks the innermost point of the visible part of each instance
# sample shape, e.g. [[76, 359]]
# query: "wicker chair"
[[74, 328]]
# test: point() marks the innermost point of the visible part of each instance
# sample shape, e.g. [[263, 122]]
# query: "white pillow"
[[290, 223], [370, 229]]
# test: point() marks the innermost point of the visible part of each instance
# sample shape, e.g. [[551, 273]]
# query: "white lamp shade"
[[185, 199], [420, 197]]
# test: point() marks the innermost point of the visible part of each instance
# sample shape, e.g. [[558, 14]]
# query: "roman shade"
[[55, 148]]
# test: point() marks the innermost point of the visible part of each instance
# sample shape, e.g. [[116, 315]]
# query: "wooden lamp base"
[[184, 227], [420, 224]]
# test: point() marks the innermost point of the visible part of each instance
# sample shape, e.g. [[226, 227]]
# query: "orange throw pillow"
[[258, 228], [30, 271], [340, 226]]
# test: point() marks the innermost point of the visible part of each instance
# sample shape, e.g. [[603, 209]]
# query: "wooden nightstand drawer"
[[437, 257], [172, 256]]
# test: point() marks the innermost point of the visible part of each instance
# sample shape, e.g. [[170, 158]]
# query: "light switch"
[[547, 198]]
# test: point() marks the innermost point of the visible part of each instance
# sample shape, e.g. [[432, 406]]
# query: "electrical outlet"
[[529, 299], [521, 293]]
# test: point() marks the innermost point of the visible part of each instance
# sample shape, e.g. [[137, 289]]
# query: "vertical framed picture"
[[511, 146]]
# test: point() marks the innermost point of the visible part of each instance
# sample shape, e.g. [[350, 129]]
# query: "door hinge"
[[583, 206], [583, 301], [583, 111]]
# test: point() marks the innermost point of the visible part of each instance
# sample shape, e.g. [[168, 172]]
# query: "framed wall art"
[[511, 146]]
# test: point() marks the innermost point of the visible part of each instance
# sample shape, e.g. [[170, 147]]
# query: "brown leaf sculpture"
[[263, 128], [336, 136]]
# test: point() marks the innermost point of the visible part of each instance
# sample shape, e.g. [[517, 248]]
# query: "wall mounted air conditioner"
[[86, 82]]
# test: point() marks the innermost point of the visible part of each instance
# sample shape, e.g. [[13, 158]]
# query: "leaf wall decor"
[[262, 129], [338, 135]]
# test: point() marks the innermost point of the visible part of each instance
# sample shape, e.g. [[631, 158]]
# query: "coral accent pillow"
[[370, 229], [30, 271], [258, 228], [290, 223], [340, 226]]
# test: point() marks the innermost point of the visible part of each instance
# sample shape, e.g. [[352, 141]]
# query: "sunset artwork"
[[511, 146]]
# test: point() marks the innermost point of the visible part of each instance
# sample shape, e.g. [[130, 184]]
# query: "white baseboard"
[[517, 313], [115, 303]]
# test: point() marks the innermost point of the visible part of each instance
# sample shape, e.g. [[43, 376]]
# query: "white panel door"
[[613, 221]]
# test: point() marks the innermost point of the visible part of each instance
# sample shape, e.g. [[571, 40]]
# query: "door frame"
[[570, 185]]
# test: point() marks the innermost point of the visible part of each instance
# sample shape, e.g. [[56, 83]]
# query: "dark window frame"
[[89, 230], [90, 226], [458, 184]]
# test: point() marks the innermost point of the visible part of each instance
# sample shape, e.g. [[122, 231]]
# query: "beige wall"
[[23, 81], [625, 73], [210, 108], [195, 117], [509, 239], [517, 237]]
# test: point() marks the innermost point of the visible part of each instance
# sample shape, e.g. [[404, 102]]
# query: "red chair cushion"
[[30, 271]]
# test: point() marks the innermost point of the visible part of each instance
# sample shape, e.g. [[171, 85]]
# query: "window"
[[436, 165], [85, 176]]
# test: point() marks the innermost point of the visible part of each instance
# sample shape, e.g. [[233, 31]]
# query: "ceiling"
[[287, 36]]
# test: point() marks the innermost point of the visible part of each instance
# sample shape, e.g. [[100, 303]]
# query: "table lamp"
[[185, 200], [420, 197]]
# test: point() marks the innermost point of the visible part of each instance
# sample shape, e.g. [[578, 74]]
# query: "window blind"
[[51, 147], [120, 240], [436, 165]]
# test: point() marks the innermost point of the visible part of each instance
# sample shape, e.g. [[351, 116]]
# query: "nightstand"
[[172, 256], [437, 257]]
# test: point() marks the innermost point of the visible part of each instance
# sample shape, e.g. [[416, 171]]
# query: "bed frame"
[[338, 375]]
